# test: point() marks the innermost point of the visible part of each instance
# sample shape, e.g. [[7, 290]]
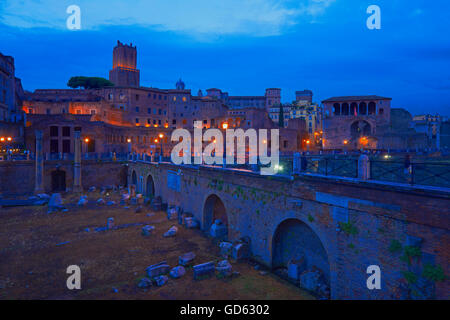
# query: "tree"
[[89, 82], [281, 117]]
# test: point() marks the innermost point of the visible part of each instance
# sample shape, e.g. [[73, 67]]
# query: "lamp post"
[[129, 147], [161, 136]]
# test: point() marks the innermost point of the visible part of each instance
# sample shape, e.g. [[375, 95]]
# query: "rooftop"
[[355, 98]]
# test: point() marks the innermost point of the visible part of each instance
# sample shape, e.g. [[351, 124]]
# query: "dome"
[[180, 85]]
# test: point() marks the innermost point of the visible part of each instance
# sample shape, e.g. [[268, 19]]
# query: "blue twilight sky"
[[242, 46]]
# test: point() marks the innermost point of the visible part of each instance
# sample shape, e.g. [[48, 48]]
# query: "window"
[[137, 109], [48, 111], [174, 121], [159, 111], [137, 120], [110, 96], [205, 121], [53, 131], [77, 129], [381, 111], [93, 111], [174, 98], [66, 131], [149, 121], [78, 111], [184, 99], [149, 110], [66, 146], [54, 146], [137, 97]]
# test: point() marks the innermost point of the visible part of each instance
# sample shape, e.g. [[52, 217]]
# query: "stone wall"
[[355, 222], [18, 177]]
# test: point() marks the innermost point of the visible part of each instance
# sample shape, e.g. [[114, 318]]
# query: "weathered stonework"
[[351, 223]]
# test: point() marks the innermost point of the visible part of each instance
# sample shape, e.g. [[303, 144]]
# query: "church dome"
[[180, 85]]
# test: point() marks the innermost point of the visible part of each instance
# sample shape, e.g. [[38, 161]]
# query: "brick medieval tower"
[[124, 72]]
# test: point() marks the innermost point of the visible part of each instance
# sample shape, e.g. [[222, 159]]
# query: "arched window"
[[337, 109], [372, 108], [345, 109], [354, 109], [362, 108], [381, 111]]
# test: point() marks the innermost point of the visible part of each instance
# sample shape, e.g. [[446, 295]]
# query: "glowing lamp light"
[[278, 167], [215, 141], [308, 142], [128, 140], [225, 126], [86, 140], [264, 141], [9, 139], [363, 140], [345, 141], [161, 135], [2, 139], [156, 140]]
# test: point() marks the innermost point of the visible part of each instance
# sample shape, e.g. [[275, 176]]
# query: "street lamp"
[[225, 126], [161, 136]]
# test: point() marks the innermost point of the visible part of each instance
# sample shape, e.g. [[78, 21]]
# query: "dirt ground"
[[36, 248]]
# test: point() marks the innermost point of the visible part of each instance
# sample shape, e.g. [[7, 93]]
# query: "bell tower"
[[124, 72]]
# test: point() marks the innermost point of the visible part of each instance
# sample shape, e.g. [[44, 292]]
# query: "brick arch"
[[133, 177], [150, 186], [214, 208], [318, 240]]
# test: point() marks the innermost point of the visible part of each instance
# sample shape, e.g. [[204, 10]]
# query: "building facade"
[[351, 122]]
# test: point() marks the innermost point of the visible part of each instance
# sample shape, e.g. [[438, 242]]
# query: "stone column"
[[39, 174], [77, 164], [296, 163], [363, 167]]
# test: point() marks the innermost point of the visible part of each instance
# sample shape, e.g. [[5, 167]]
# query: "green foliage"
[[434, 273], [395, 246], [89, 82], [410, 252], [351, 246], [349, 228], [310, 218], [409, 276]]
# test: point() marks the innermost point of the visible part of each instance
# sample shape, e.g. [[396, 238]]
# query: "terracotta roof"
[[355, 98]]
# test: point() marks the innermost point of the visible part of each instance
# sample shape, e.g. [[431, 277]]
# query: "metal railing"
[[428, 174]]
